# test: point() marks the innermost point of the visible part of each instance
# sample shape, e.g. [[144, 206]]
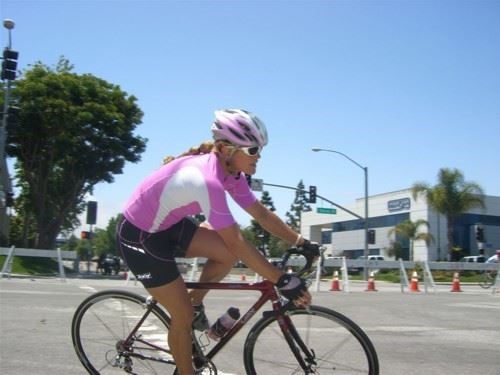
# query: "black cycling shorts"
[[151, 256]]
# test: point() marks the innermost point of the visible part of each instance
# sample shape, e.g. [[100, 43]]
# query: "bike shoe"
[[200, 321]]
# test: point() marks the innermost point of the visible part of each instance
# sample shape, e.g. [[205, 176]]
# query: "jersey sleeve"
[[241, 193]]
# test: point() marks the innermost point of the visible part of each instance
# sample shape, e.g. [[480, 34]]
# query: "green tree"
[[411, 230], [73, 132], [261, 236], [105, 239], [395, 250], [451, 197], [299, 205]]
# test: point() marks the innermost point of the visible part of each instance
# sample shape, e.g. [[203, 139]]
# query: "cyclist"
[[157, 225], [494, 258]]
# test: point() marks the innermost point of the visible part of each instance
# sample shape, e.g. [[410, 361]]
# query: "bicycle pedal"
[[198, 363]]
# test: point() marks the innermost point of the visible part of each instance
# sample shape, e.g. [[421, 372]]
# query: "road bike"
[[119, 332], [487, 278]]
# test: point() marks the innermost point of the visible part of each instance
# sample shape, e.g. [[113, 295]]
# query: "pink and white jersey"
[[187, 186]]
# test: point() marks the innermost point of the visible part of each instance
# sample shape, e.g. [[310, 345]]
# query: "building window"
[[373, 222], [326, 237]]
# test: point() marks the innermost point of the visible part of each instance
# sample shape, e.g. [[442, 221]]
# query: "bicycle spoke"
[[101, 327], [336, 345]]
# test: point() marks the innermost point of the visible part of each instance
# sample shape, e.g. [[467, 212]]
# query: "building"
[[343, 234]]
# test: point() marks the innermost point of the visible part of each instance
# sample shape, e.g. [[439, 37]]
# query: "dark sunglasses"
[[251, 151]]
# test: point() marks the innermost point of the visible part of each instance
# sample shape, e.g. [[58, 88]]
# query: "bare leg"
[[174, 297], [207, 243]]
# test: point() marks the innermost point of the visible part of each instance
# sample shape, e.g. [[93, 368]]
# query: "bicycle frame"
[[268, 293]]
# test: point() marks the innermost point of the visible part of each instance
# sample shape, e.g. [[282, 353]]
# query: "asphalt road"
[[414, 333]]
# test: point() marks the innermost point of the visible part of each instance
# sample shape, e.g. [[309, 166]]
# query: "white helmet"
[[239, 127]]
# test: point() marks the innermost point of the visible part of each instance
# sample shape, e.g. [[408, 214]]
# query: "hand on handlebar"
[[294, 289], [310, 247]]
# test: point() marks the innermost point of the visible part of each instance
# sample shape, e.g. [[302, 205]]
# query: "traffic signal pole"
[[9, 65], [319, 196]]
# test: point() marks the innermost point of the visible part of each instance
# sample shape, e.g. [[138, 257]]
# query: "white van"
[[474, 259]]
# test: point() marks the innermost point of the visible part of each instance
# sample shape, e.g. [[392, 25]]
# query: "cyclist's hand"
[[310, 247], [310, 250], [294, 289]]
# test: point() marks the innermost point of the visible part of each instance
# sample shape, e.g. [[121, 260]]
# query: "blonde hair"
[[203, 148]]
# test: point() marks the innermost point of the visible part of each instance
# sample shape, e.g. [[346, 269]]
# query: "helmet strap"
[[228, 163], [227, 159]]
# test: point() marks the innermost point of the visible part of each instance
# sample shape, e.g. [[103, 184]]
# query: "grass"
[[33, 266]]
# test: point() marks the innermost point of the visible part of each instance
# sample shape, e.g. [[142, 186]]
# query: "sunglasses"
[[251, 151]]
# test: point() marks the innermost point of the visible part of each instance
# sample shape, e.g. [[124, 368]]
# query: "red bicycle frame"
[[268, 293]]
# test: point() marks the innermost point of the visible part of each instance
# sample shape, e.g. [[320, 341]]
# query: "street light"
[[365, 169]]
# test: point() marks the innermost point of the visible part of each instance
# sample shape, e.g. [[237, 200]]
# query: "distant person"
[[157, 225], [100, 263], [494, 258]]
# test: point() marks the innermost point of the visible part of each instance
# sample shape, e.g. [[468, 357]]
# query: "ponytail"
[[203, 148]]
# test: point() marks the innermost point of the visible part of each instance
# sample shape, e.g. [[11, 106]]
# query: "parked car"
[[371, 258], [474, 259]]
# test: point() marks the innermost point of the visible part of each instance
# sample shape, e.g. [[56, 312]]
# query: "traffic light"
[[480, 234], [312, 194], [12, 118], [371, 236], [9, 64], [91, 212], [9, 199]]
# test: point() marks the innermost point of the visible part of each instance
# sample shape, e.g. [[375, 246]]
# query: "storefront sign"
[[398, 204]]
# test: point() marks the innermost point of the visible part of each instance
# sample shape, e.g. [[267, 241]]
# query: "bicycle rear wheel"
[[487, 279], [103, 322], [336, 345]]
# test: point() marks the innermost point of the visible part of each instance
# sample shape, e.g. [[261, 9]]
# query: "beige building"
[[343, 234]]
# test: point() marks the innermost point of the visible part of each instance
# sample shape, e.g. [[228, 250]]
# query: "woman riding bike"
[[157, 225]]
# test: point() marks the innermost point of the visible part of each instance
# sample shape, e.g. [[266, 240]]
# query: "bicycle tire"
[[340, 345], [487, 279], [104, 320]]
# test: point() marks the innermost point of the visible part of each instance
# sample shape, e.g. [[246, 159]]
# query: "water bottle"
[[224, 323]]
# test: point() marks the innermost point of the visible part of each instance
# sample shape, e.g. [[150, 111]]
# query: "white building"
[[343, 234]]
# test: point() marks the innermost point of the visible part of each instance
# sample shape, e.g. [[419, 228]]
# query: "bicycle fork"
[[305, 356]]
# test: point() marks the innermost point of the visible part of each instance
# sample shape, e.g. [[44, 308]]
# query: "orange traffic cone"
[[371, 284], [414, 282], [335, 282], [456, 283]]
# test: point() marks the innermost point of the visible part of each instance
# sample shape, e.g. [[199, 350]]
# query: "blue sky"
[[402, 87]]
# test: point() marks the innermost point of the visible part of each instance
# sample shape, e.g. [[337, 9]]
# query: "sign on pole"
[[323, 210], [257, 184]]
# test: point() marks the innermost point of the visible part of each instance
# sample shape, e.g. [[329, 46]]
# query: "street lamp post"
[[365, 170]]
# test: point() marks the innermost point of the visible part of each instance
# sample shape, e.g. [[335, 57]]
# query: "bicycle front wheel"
[[101, 333], [325, 340]]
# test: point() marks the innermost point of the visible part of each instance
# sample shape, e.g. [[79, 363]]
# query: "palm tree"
[[410, 230], [451, 197]]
